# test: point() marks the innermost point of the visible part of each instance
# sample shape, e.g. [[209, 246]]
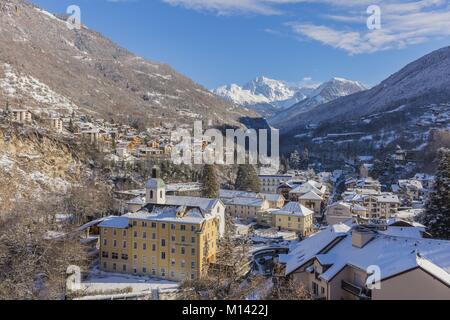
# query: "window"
[[193, 240], [163, 225], [173, 238], [124, 267], [135, 245], [144, 224], [153, 224], [105, 254], [153, 236], [192, 276], [124, 233], [151, 194], [115, 232], [192, 228], [154, 272], [144, 270], [160, 194], [134, 223], [183, 263], [193, 251], [163, 242], [172, 226], [183, 250], [124, 244], [115, 255], [105, 242], [163, 255], [105, 265], [172, 274], [182, 227], [163, 272], [144, 246], [114, 243], [183, 238], [192, 265], [135, 234], [144, 235], [172, 262], [105, 231], [173, 250], [124, 256], [114, 266], [153, 247]]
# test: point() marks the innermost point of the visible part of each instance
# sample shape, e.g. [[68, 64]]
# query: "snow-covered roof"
[[137, 201], [311, 246], [388, 198], [251, 202], [236, 193], [114, 222], [273, 197], [203, 203], [392, 254], [293, 208], [310, 196], [189, 215], [394, 251], [308, 186]]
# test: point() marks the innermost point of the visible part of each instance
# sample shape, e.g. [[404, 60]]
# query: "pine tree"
[[437, 214], [247, 179], [210, 182], [295, 160]]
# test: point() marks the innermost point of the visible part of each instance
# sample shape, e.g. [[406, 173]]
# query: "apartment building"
[[170, 237], [270, 183], [353, 262], [342, 211], [379, 205], [21, 115]]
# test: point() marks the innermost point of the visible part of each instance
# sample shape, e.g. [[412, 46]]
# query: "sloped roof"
[[310, 196], [294, 208]]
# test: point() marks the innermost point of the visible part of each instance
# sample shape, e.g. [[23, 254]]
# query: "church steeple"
[[155, 189]]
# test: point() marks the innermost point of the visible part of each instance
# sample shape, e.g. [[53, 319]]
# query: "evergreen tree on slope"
[[437, 215]]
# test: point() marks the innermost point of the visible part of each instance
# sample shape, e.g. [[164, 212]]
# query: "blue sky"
[[218, 42]]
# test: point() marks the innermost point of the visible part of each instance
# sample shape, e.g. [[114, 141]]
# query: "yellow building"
[[170, 237], [294, 217]]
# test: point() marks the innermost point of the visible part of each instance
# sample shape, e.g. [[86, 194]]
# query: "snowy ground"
[[103, 281]]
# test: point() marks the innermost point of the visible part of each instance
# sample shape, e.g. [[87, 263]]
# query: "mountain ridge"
[[82, 70]]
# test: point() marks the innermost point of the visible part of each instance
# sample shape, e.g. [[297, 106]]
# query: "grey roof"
[[294, 208], [155, 183], [241, 201]]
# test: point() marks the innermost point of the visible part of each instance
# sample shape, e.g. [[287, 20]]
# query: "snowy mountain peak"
[[273, 90]]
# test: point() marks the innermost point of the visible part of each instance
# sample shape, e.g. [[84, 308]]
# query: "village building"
[[170, 237], [379, 205], [354, 262], [270, 183], [342, 211], [294, 217], [21, 115]]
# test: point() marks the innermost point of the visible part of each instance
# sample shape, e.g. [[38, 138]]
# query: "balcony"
[[360, 292]]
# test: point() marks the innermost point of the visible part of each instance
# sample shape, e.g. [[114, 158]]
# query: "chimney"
[[361, 236]]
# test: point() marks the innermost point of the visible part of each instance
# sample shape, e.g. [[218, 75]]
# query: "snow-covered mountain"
[[326, 92], [44, 65], [264, 95]]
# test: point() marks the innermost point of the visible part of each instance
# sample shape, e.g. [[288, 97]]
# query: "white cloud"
[[404, 22]]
